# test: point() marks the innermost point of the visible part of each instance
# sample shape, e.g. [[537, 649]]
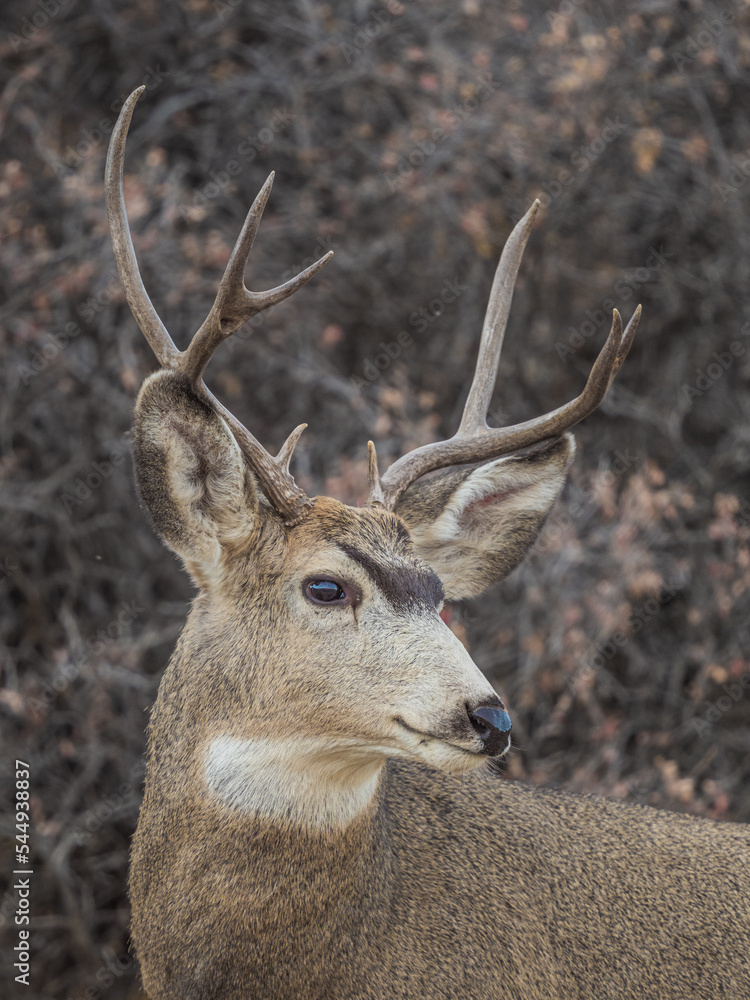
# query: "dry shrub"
[[408, 137]]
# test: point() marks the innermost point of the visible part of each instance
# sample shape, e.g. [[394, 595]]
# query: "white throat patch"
[[313, 782]]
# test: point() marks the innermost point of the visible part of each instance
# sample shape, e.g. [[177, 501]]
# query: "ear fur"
[[475, 524], [192, 477]]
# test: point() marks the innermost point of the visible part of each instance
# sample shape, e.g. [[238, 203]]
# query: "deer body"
[[384, 878], [443, 887], [319, 821]]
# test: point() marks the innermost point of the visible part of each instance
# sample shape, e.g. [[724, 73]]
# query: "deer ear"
[[192, 477], [473, 525]]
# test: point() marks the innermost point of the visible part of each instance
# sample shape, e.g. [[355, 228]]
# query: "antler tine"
[[286, 451], [273, 474], [127, 265], [495, 322], [376, 490], [625, 343], [234, 303], [475, 441]]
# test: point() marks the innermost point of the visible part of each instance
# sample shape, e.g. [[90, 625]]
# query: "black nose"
[[492, 725]]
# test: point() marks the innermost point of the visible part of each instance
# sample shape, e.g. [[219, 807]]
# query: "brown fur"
[[442, 885], [451, 888]]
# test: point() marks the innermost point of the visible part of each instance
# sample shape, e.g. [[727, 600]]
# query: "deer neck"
[[312, 783], [253, 769], [305, 850]]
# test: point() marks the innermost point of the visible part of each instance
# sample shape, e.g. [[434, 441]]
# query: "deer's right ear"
[[192, 477], [474, 524]]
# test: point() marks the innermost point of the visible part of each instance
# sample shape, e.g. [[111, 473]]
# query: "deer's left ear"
[[474, 524]]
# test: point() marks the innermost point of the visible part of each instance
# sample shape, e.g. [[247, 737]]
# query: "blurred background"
[[408, 137]]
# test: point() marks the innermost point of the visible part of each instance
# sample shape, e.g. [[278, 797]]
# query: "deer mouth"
[[425, 736]]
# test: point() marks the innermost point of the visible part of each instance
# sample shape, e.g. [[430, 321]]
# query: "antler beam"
[[127, 264], [233, 306], [475, 441]]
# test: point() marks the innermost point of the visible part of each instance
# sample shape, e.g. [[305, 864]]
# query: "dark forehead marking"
[[404, 587]]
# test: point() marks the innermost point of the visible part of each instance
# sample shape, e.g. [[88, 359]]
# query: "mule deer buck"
[[318, 819]]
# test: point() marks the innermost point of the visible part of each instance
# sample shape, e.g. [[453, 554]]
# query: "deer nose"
[[492, 725]]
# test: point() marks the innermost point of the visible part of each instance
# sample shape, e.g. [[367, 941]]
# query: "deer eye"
[[326, 592]]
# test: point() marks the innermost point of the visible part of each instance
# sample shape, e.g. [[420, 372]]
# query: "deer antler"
[[474, 441], [233, 306]]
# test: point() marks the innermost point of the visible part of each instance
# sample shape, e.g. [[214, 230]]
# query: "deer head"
[[317, 630]]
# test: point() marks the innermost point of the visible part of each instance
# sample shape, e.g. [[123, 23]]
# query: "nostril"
[[492, 725], [479, 725]]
